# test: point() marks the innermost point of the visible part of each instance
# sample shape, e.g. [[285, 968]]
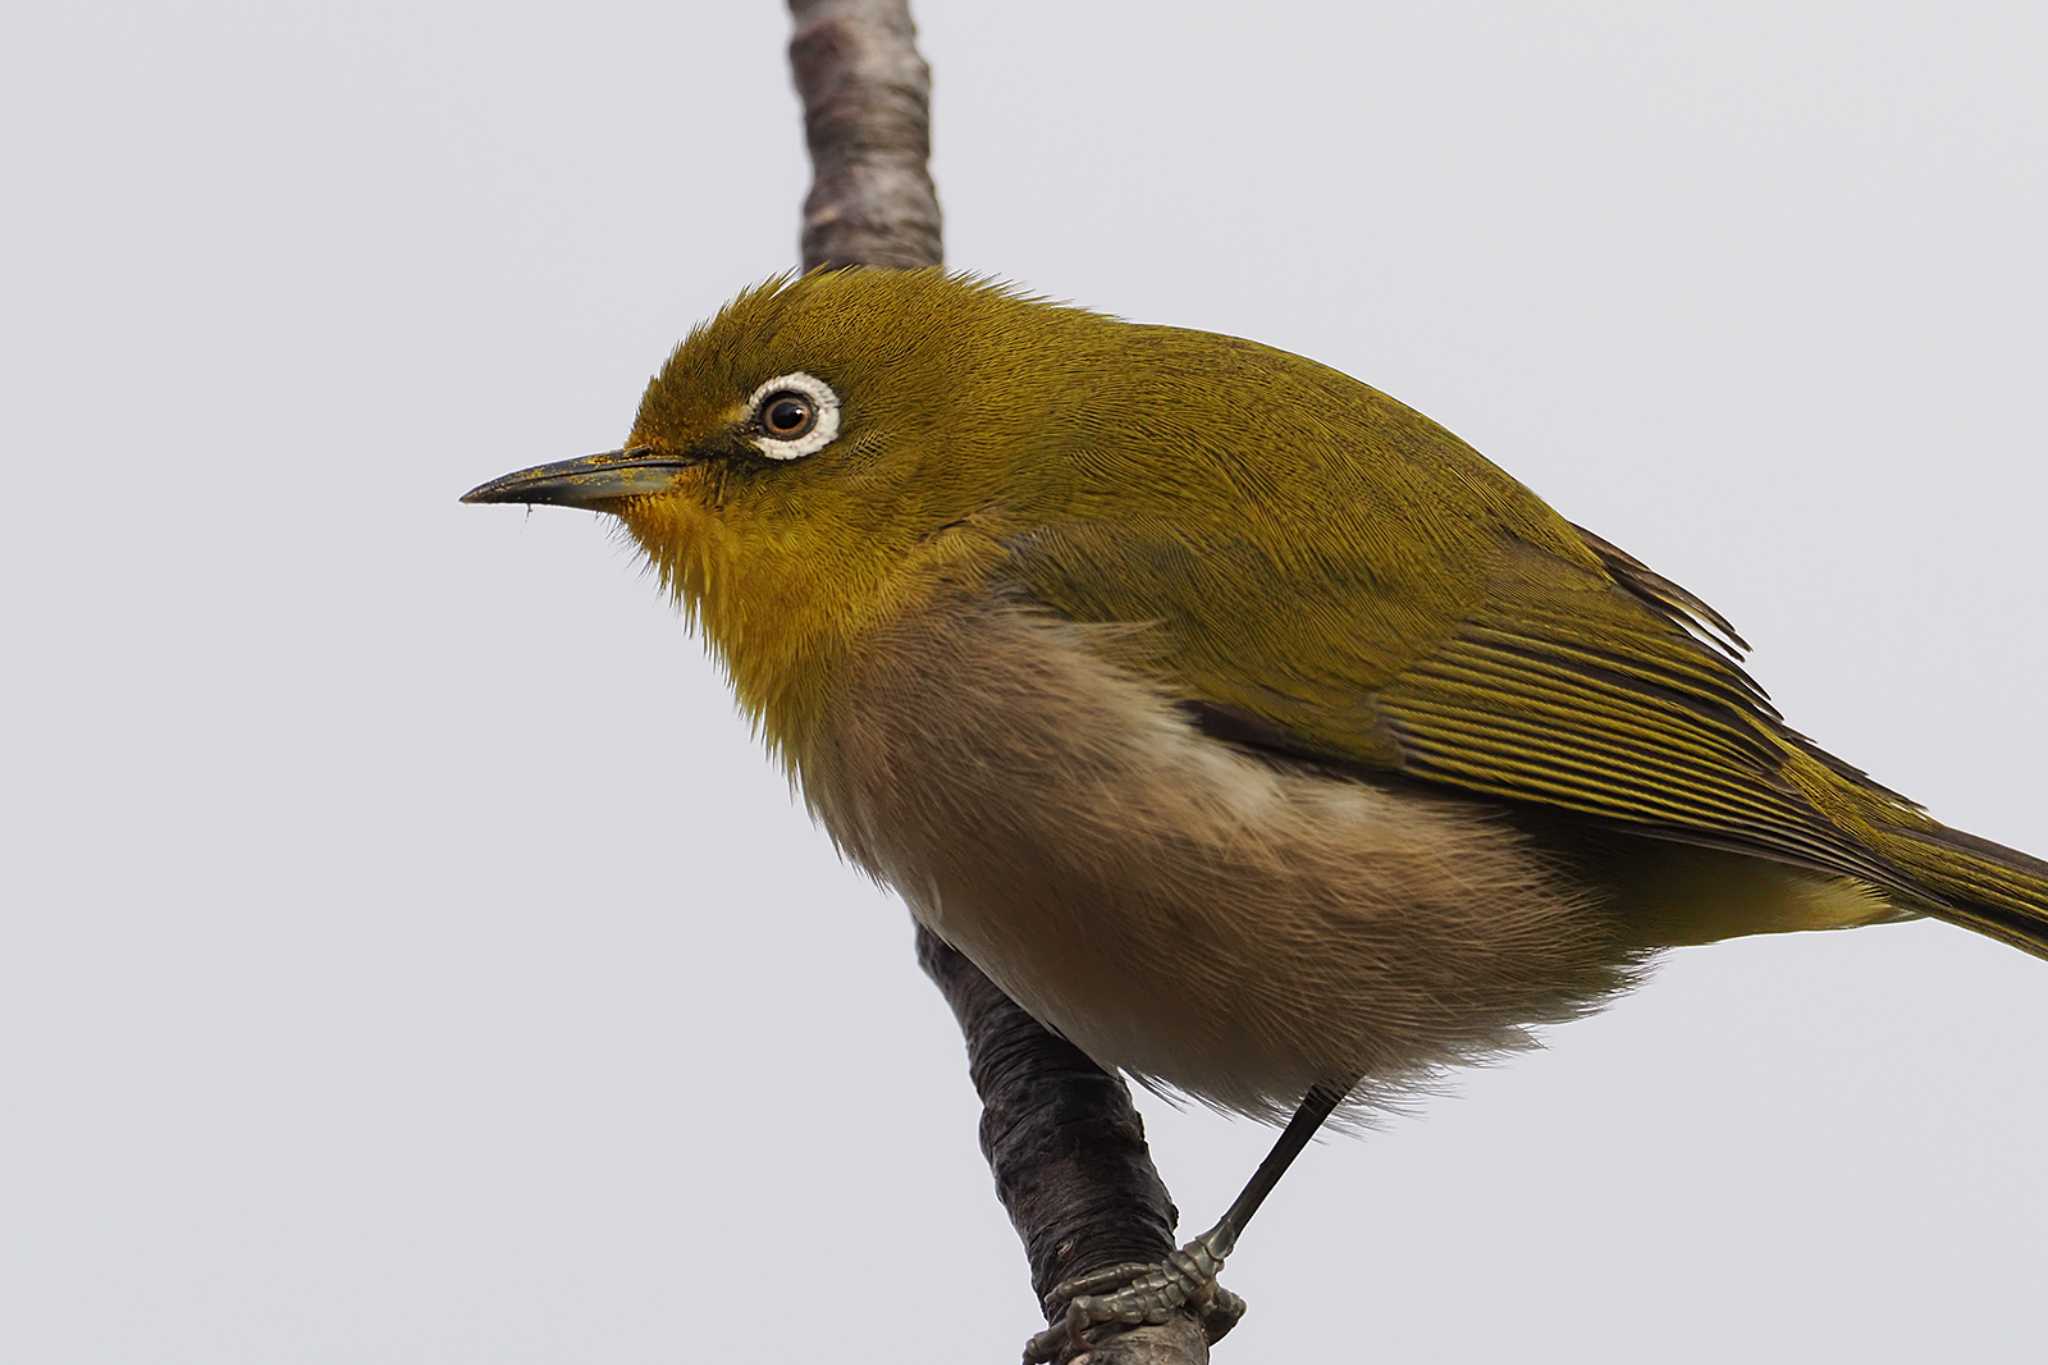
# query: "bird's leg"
[[1135, 1294]]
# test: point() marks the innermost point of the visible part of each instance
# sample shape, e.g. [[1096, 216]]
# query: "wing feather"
[[1583, 684]]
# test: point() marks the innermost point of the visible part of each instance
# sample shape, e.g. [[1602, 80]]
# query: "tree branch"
[[1068, 1153], [867, 116], [1064, 1142]]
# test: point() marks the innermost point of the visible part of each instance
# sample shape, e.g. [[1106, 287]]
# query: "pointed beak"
[[591, 481]]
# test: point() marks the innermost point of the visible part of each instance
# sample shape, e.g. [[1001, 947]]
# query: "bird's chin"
[[677, 513], [680, 535]]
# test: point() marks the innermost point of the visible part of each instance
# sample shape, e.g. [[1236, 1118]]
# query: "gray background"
[[407, 955]]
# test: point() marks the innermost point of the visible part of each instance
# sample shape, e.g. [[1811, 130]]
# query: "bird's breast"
[[1177, 908]]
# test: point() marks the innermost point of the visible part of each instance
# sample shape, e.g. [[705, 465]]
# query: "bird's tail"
[[1975, 883]]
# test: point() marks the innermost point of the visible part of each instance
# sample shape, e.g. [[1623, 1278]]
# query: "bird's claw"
[[1138, 1294]]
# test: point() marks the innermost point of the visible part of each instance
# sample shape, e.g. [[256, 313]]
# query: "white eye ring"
[[824, 403]]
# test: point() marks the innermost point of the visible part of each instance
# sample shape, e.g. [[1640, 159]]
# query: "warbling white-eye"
[[1248, 728]]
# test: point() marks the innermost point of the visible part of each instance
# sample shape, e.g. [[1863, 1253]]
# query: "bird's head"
[[795, 467]]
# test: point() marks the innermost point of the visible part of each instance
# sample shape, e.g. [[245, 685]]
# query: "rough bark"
[[867, 116], [1065, 1144]]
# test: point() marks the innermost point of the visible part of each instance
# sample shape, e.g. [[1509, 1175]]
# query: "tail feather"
[[1973, 882]]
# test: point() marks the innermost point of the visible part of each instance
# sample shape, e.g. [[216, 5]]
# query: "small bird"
[[1248, 728]]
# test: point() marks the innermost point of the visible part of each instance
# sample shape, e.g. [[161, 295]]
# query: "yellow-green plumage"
[[1316, 557], [1245, 724]]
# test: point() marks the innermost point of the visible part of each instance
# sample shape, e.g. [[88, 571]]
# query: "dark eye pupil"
[[788, 414]]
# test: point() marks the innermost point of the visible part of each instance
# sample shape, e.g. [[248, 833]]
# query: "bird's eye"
[[788, 415], [793, 415]]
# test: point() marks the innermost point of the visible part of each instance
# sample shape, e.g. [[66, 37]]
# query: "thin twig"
[[867, 116]]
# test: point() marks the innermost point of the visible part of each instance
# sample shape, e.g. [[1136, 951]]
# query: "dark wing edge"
[[1698, 618], [1672, 600]]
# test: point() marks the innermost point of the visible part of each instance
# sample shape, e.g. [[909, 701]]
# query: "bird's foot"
[[1137, 1294]]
